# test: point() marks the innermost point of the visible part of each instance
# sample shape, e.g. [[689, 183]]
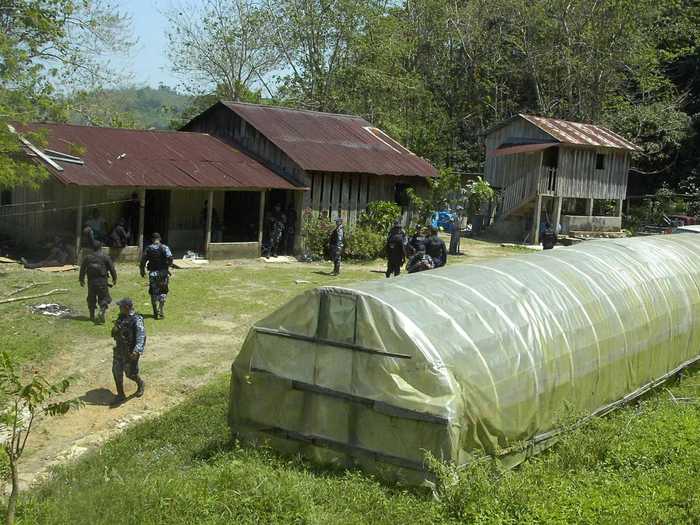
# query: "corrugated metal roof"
[[512, 149], [580, 134], [162, 159], [332, 143]]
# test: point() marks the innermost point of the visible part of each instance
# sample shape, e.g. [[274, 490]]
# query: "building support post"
[[589, 207], [261, 221], [142, 216], [79, 225], [536, 221], [557, 214], [207, 234], [618, 208]]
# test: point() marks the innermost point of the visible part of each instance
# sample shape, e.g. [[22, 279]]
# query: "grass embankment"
[[639, 465]]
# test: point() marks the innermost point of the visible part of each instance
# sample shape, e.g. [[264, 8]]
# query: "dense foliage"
[[44, 44]]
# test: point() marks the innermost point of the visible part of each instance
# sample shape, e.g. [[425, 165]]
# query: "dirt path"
[[172, 367]]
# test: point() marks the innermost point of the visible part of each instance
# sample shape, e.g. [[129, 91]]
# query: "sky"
[[147, 63]]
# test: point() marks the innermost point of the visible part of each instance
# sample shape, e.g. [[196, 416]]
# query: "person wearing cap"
[[336, 244], [97, 267], [129, 334], [157, 259], [395, 249]]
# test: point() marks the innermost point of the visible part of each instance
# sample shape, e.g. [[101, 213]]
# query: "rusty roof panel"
[[580, 134], [332, 143], [163, 159]]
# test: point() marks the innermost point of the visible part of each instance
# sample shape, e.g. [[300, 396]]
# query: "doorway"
[[157, 214], [241, 216]]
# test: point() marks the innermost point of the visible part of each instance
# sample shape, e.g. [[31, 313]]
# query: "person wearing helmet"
[[129, 334]]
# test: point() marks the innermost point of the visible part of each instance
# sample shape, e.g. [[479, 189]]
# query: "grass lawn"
[[638, 465]]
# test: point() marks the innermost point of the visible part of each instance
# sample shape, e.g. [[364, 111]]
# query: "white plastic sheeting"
[[471, 356]]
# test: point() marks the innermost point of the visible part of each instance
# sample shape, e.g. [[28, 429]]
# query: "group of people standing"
[[279, 230], [129, 330], [424, 250]]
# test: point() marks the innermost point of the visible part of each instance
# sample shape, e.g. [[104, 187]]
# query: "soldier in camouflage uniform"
[[157, 259], [129, 335], [336, 244], [97, 266]]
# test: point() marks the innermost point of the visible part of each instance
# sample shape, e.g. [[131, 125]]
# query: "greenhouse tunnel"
[[470, 357]]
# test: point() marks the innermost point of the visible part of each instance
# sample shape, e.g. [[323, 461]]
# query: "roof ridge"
[[285, 108], [43, 123]]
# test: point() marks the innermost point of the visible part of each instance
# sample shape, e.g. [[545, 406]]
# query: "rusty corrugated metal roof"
[[160, 159], [580, 134], [332, 143]]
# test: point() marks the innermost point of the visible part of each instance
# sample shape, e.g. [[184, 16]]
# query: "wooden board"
[[58, 269], [5, 260]]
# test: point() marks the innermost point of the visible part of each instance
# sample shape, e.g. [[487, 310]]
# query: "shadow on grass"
[[327, 274]]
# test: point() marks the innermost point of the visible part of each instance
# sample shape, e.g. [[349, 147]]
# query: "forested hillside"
[[133, 107]]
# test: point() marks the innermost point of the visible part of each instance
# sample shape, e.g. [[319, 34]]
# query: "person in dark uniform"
[[157, 259], [336, 244], [131, 212], [549, 237], [420, 262], [87, 238], [395, 250], [417, 242], [435, 247], [57, 256], [97, 267], [118, 239], [129, 335]]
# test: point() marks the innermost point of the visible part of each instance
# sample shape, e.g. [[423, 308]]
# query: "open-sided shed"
[[468, 357]]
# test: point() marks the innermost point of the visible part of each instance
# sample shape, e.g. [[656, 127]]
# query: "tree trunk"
[[12, 501]]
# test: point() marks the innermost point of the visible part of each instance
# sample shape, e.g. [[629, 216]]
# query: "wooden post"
[[207, 233], [536, 221], [142, 215], [261, 221], [557, 214], [618, 208], [589, 207], [79, 225]]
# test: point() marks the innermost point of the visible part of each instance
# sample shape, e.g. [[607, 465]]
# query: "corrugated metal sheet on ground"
[[332, 143], [164, 159]]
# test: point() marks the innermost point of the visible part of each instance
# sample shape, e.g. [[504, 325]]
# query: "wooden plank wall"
[[578, 177], [501, 171], [347, 195]]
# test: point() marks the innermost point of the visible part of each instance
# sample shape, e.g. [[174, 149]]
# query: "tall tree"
[[223, 46], [44, 43]]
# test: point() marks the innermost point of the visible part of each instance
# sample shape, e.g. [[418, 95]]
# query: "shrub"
[[364, 243], [315, 231], [379, 216]]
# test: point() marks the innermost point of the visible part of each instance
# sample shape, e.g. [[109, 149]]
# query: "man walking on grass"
[[157, 258], [129, 334], [97, 267], [336, 244]]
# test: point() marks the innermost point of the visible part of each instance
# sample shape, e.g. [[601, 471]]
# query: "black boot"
[[155, 309], [92, 315], [161, 309], [120, 397], [141, 386], [101, 316]]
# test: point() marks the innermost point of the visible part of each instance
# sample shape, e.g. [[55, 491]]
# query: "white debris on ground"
[[51, 309], [279, 259]]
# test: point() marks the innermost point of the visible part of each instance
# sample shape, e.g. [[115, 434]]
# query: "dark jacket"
[[396, 245], [435, 247], [129, 334], [119, 238], [97, 267], [157, 258]]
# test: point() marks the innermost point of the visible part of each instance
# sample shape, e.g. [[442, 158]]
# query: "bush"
[[364, 243], [315, 231], [379, 216]]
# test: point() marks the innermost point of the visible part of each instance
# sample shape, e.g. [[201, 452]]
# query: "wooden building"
[[559, 171], [343, 160], [171, 174]]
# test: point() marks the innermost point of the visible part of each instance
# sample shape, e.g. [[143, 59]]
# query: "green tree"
[[45, 43], [223, 46], [25, 399]]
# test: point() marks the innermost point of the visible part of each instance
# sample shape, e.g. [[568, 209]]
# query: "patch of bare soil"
[[172, 366]]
